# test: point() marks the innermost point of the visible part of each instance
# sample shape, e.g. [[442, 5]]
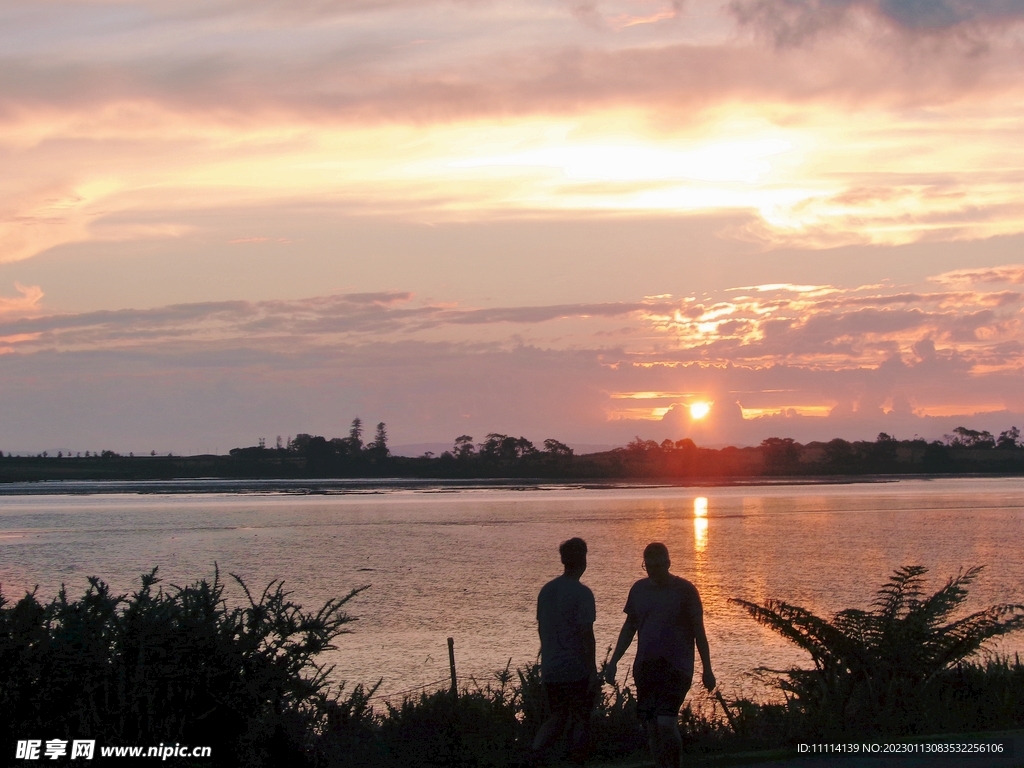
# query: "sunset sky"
[[225, 220]]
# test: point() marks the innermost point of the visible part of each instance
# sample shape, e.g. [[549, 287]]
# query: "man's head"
[[574, 555], [656, 560]]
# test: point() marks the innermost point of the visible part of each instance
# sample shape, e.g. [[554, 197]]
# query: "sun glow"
[[608, 160], [699, 410], [734, 161], [817, 411]]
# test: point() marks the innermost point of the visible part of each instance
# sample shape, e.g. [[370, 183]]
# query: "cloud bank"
[[125, 111], [780, 125], [792, 22], [808, 361]]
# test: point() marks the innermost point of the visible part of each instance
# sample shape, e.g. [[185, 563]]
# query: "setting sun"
[[699, 410]]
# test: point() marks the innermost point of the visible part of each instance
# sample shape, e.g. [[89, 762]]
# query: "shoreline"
[[382, 485]]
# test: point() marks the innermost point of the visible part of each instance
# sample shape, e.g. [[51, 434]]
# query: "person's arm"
[[708, 678], [625, 638]]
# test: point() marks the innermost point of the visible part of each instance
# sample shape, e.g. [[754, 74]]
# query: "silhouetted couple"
[[663, 609]]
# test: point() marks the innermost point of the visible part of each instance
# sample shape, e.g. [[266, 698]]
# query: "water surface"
[[467, 562]]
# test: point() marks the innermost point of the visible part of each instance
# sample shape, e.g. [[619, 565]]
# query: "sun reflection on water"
[[700, 523], [700, 533], [700, 506]]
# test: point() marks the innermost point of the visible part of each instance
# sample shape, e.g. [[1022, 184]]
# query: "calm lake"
[[467, 562]]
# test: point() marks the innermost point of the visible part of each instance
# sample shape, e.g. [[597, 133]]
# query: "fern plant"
[[871, 667]]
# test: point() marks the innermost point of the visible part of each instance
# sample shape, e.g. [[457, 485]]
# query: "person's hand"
[[709, 680], [593, 683], [609, 672]]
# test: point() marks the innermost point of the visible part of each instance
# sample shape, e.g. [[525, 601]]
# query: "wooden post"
[[451, 665]]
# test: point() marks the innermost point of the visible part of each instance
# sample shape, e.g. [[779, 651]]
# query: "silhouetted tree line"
[[506, 456], [497, 455], [498, 449], [106, 454], [321, 452], [964, 450]]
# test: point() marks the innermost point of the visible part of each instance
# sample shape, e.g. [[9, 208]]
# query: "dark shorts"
[[575, 698], [660, 689]]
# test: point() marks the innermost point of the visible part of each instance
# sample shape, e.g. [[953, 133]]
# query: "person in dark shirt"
[[665, 611], [565, 622]]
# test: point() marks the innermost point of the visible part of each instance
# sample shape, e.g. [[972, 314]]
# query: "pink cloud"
[[247, 240], [1009, 273], [324, 80], [25, 304], [791, 22]]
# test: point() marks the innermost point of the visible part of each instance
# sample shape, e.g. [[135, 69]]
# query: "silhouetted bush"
[[889, 669], [983, 696], [166, 666]]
